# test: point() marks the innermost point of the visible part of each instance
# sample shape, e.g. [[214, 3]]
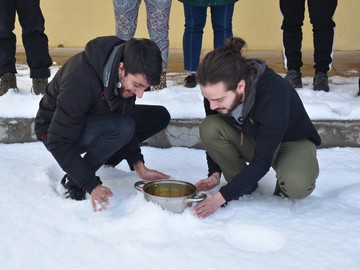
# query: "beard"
[[223, 111], [125, 94]]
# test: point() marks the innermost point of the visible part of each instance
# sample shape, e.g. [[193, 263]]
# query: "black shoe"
[[190, 81], [39, 85], [71, 190], [293, 77], [278, 192], [321, 82], [8, 81]]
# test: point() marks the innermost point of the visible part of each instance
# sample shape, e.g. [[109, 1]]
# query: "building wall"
[[71, 23]]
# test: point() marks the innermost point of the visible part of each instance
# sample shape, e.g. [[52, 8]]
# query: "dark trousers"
[[34, 39], [108, 137], [149, 120], [296, 164], [195, 20], [321, 13]]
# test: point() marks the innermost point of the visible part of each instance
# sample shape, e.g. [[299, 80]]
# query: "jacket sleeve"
[[132, 153], [73, 102], [271, 115]]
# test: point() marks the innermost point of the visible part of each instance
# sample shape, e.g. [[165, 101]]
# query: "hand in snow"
[[100, 198], [148, 174], [209, 205]]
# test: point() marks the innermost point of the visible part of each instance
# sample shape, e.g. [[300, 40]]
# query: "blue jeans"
[[195, 19]]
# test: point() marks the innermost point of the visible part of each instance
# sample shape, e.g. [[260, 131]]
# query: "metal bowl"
[[171, 195]]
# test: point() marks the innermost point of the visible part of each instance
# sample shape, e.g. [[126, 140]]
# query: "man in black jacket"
[[257, 121], [89, 107]]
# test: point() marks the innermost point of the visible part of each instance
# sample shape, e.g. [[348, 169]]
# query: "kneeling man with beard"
[[255, 120]]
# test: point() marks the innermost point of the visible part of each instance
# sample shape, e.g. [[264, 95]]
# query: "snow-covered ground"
[[341, 103], [39, 229]]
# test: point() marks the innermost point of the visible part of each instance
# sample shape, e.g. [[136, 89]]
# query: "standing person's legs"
[[221, 20], [158, 13], [195, 19], [34, 39], [126, 15], [7, 37], [297, 168], [321, 17], [293, 17]]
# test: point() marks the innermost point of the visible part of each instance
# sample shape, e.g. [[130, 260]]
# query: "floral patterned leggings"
[[158, 12]]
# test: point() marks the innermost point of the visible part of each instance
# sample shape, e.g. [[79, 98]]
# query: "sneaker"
[[39, 85], [278, 192], [162, 83], [190, 81], [321, 82], [72, 191], [8, 81], [293, 77]]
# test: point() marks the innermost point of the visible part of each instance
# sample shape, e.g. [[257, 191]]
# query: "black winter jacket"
[[273, 113], [78, 91]]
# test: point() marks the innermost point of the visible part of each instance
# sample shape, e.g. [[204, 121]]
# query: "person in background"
[[34, 40], [158, 13], [195, 19], [321, 17], [89, 107], [255, 120]]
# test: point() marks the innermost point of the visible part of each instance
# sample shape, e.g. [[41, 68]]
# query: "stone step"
[[185, 133]]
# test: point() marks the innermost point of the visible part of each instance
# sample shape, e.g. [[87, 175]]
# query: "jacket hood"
[[104, 55], [255, 69], [98, 51]]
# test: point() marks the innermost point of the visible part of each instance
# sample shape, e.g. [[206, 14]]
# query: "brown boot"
[[8, 81], [162, 83], [39, 85]]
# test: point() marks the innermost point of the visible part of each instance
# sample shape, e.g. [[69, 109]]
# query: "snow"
[[341, 103], [39, 229]]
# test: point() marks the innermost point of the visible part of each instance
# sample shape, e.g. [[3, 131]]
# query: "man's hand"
[[209, 205], [208, 183], [100, 198], [148, 174]]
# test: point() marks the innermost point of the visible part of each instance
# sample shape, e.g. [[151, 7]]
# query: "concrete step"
[[345, 63], [185, 133]]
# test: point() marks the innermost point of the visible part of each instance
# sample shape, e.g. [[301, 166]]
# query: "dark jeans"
[[34, 39], [105, 137], [321, 14], [195, 20], [149, 120]]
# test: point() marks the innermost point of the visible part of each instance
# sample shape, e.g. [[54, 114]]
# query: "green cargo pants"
[[296, 164]]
